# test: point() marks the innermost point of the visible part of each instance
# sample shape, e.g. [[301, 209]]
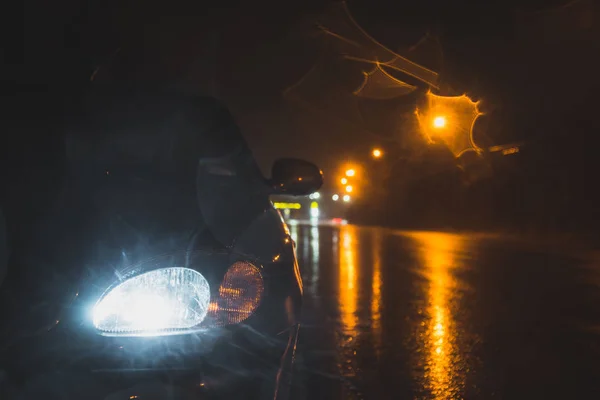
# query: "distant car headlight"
[[160, 302]]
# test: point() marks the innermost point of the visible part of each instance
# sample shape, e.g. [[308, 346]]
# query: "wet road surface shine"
[[428, 315]]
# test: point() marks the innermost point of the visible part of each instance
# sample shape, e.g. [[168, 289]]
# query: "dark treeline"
[[538, 85], [549, 186]]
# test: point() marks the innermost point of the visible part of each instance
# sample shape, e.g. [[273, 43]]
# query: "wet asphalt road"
[[419, 315]]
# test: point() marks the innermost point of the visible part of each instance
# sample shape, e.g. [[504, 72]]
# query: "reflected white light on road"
[[314, 213], [443, 365], [314, 247], [347, 278], [304, 244], [335, 238], [293, 230]]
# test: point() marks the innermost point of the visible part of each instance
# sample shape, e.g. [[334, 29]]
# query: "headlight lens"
[[159, 302]]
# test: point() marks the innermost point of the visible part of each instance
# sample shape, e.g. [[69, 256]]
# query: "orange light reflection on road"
[[376, 292], [347, 278], [444, 375]]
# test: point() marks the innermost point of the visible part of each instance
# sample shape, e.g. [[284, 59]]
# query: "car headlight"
[[160, 302], [177, 300]]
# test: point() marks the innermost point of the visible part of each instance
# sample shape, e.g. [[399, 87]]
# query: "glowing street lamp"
[[335, 197], [349, 188], [350, 172], [377, 153], [346, 198], [449, 119], [439, 122], [344, 181]]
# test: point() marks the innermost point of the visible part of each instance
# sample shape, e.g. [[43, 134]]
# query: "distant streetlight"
[[315, 195], [346, 198], [377, 153], [335, 197], [344, 181], [349, 188], [350, 172], [439, 122]]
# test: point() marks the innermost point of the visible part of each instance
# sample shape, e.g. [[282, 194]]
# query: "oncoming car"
[[156, 266]]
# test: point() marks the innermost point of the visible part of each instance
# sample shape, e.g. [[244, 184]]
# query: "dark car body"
[[146, 180]]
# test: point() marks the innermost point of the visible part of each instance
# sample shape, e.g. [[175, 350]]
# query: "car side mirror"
[[295, 177]]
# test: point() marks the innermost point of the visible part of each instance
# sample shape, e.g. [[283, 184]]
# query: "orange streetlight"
[[349, 188], [344, 181], [439, 122], [350, 172], [377, 153]]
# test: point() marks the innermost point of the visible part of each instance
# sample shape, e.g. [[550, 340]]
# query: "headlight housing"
[[160, 302], [178, 300]]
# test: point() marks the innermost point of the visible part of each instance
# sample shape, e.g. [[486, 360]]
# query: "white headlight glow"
[[160, 302]]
